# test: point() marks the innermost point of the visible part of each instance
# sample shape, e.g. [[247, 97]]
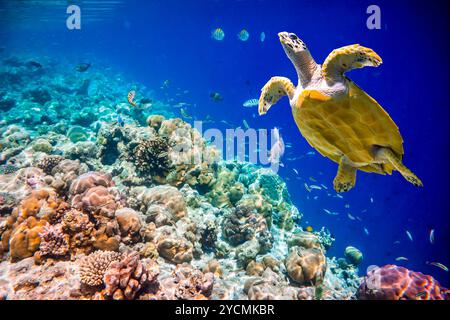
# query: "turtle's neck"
[[305, 66]]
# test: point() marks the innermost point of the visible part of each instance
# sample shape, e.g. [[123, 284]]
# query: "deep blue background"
[[151, 41]]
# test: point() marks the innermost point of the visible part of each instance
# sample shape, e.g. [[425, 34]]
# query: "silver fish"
[[250, 103], [409, 235]]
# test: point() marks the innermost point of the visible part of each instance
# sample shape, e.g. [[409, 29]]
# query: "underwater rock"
[[53, 280], [176, 250], [183, 283], [39, 95], [392, 282], [42, 145], [162, 204], [306, 240], [77, 133], [270, 286]]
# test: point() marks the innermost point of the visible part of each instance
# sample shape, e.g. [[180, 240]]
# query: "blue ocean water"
[[155, 41]]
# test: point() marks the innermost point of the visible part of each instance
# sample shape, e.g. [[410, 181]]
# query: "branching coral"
[[124, 279], [151, 156], [48, 163], [244, 224], [94, 266], [54, 243]]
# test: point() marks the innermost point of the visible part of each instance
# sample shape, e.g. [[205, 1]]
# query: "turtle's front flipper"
[[345, 177], [347, 58], [387, 154], [274, 90]]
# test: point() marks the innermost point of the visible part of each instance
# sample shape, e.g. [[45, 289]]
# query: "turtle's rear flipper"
[[389, 155], [274, 90], [345, 178]]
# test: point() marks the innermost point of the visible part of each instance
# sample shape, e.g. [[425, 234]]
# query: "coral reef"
[[102, 200]]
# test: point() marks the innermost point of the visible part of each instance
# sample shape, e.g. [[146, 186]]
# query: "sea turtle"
[[335, 116]]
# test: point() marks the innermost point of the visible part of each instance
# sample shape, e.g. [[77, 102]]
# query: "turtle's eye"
[[293, 36]]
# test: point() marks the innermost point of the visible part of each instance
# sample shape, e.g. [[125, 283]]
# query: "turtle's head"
[[292, 44], [299, 54]]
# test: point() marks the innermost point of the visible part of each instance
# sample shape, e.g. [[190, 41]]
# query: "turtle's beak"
[[283, 36]]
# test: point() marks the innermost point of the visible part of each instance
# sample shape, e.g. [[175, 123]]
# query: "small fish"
[[185, 114], [277, 150], [250, 103], [409, 235], [421, 294], [366, 230], [309, 229], [218, 34], [245, 124], [432, 236], [307, 187], [262, 36], [215, 96], [120, 121], [316, 197], [130, 98], [82, 67], [324, 186], [371, 200], [310, 153], [401, 259], [351, 217], [243, 35], [347, 206], [331, 213], [337, 195], [439, 265], [295, 170], [314, 187], [312, 179]]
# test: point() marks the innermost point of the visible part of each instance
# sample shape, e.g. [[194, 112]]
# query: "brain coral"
[[94, 266], [392, 282], [306, 266]]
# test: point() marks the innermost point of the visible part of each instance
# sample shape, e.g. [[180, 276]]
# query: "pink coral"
[[126, 278], [392, 282], [97, 200], [54, 242]]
